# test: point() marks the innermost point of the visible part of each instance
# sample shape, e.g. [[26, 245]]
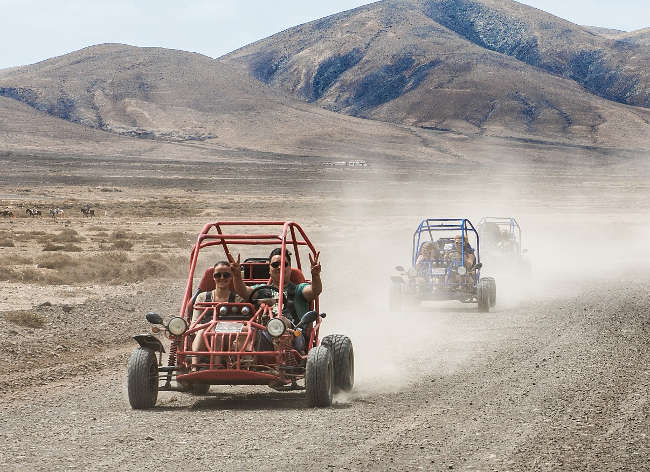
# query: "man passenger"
[[301, 295]]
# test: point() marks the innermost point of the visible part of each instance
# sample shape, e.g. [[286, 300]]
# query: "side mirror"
[[307, 318], [478, 266], [154, 318], [399, 269]]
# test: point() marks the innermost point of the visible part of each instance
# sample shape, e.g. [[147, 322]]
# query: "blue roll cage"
[[445, 224], [511, 222]]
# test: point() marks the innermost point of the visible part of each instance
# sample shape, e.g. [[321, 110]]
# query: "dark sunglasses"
[[220, 275], [276, 264]]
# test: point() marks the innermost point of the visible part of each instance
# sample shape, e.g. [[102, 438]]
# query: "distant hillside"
[[135, 91], [489, 66], [607, 32], [639, 38], [99, 99]]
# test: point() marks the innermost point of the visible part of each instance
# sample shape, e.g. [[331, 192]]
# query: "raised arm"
[[310, 292], [240, 287]]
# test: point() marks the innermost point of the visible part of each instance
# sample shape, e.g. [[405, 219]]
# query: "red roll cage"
[[212, 234]]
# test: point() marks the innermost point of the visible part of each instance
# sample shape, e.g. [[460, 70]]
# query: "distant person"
[[464, 249], [428, 253]]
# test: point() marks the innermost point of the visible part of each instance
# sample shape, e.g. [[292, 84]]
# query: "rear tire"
[[199, 389], [493, 290], [342, 352], [483, 295], [142, 378], [319, 377]]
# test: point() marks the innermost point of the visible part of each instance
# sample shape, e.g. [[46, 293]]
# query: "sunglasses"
[[276, 264], [221, 275]]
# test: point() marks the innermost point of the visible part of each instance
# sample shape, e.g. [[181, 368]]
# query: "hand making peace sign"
[[235, 266], [315, 264]]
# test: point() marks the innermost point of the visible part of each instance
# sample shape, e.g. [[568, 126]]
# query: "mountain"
[[115, 99], [496, 67], [606, 32], [639, 38], [136, 91]]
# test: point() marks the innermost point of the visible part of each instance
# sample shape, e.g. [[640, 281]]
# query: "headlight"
[[177, 326], [234, 309], [245, 311], [462, 270], [276, 327], [223, 310]]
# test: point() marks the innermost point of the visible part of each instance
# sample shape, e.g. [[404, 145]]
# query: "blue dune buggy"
[[502, 245], [444, 266]]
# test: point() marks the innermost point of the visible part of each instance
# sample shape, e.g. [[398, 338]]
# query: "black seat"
[[256, 268]]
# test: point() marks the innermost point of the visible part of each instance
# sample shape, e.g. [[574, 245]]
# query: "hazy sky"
[[34, 30]]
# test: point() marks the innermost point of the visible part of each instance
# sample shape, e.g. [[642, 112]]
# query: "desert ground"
[[554, 378]]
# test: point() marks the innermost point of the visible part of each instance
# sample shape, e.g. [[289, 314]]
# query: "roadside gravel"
[[549, 385]]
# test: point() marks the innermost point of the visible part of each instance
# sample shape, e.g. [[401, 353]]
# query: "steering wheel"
[[265, 292], [267, 295]]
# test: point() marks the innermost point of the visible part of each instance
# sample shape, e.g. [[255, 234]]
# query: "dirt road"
[[547, 385]]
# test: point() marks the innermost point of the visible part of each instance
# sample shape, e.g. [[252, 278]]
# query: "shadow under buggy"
[[445, 265]]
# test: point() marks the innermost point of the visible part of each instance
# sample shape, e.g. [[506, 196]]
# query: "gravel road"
[[549, 384]]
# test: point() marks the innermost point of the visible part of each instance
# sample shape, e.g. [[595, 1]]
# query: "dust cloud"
[[576, 232]]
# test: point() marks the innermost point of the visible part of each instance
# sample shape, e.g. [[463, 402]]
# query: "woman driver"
[[222, 293]]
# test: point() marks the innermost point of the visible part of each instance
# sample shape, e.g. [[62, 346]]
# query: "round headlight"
[[177, 326], [223, 310], [234, 309], [462, 270], [276, 327], [245, 311]]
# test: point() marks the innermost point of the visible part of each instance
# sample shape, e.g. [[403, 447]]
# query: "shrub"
[[109, 267], [55, 261], [8, 274], [53, 247], [72, 248], [68, 236], [120, 234], [26, 318], [122, 245], [14, 259]]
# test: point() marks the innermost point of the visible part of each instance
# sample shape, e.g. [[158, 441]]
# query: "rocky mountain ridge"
[[473, 66]]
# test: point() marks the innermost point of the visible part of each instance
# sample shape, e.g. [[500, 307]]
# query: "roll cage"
[[429, 225], [508, 223], [212, 234]]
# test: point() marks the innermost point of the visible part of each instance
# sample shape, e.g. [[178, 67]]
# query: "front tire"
[[483, 295], [319, 377], [142, 378], [342, 353]]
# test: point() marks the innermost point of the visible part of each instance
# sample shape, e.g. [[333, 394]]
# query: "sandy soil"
[[555, 378]]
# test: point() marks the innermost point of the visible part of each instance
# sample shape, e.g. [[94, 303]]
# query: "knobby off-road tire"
[[342, 352], [142, 378], [483, 295], [493, 290], [319, 377], [199, 389]]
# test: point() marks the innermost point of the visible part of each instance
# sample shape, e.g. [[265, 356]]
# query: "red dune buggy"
[[246, 342]]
